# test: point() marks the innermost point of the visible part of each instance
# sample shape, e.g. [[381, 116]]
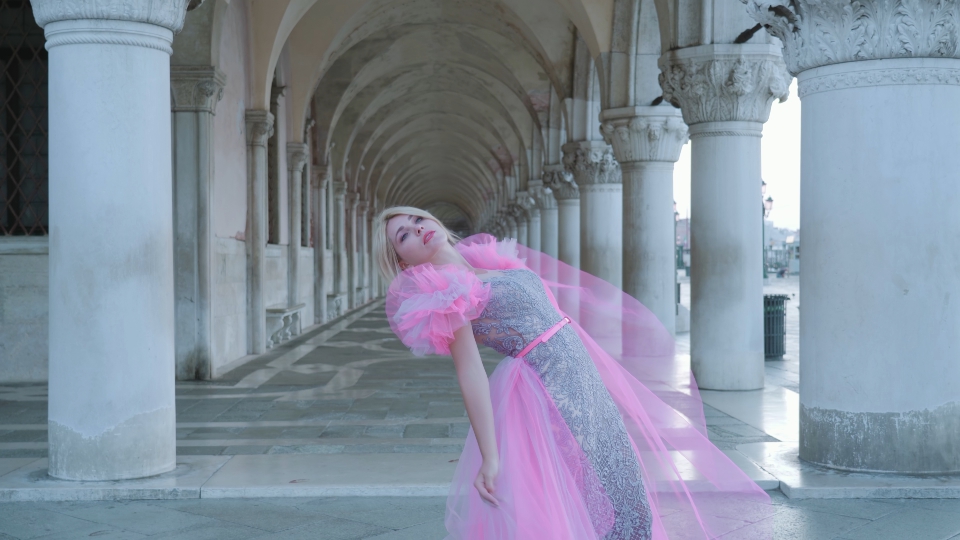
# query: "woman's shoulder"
[[485, 251], [425, 304]]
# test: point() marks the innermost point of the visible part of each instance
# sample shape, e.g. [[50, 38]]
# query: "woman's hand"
[[486, 481]]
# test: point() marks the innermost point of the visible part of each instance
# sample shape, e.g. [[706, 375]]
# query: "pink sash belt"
[[543, 337]]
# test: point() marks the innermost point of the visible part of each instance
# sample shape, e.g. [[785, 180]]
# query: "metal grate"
[[24, 185]]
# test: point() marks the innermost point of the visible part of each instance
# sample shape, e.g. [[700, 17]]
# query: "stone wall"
[[24, 298], [229, 302]]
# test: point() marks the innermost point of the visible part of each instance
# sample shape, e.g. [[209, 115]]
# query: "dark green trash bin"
[[774, 326]]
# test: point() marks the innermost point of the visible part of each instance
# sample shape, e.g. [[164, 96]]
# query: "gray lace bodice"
[[517, 312]]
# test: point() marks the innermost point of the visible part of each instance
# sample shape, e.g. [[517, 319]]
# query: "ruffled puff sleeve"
[[426, 304]]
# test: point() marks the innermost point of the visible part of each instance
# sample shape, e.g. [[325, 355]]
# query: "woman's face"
[[416, 239]]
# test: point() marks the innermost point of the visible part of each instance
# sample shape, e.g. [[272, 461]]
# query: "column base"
[[914, 442]]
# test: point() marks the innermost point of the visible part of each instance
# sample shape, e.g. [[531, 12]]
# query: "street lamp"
[[767, 207]]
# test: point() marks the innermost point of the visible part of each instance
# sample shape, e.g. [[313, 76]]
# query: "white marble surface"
[[763, 478], [29, 482], [773, 410], [802, 480], [319, 475]]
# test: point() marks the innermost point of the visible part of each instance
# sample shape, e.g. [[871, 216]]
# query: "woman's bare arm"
[[476, 396]]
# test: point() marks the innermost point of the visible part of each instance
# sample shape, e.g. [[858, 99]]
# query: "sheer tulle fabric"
[[426, 304], [694, 490], [546, 487]]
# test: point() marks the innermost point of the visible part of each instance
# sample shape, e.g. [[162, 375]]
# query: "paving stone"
[[329, 528], [908, 523], [29, 520], [140, 518], [200, 450], [245, 450], [387, 512], [384, 431], [254, 513], [340, 432], [791, 523], [426, 431]]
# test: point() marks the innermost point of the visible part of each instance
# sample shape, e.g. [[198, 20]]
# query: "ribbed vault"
[[439, 104]]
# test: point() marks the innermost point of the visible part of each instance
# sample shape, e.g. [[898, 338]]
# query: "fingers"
[[484, 493]]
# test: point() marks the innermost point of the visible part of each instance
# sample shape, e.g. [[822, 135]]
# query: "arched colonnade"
[[553, 121]]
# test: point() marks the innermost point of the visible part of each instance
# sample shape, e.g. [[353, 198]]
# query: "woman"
[[565, 440]]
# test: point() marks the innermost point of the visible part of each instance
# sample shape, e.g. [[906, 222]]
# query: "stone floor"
[[349, 388]]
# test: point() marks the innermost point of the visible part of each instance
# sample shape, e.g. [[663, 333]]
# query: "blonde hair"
[[388, 261]]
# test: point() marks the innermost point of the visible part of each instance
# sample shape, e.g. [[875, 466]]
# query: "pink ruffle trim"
[[426, 304], [484, 251]]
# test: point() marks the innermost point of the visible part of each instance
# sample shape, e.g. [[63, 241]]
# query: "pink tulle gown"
[[600, 433]]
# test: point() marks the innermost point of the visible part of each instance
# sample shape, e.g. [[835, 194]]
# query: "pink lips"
[[428, 236]]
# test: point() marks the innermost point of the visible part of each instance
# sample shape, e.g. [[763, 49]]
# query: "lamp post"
[[677, 247], [767, 207]]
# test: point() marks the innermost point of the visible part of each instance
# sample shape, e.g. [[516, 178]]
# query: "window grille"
[[24, 186]]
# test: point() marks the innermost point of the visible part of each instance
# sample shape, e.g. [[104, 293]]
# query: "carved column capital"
[[591, 163], [319, 176], [817, 33], [644, 133], [517, 212], [259, 126], [196, 88], [724, 83], [353, 198], [296, 156], [168, 14], [560, 182], [363, 207], [526, 201], [339, 189]]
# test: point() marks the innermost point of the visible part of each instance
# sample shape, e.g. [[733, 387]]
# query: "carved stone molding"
[[887, 72], [817, 33], [296, 156], [560, 182], [541, 194], [259, 126], [517, 212], [166, 13], [526, 201], [723, 83], [644, 133], [339, 189], [591, 162], [196, 88]]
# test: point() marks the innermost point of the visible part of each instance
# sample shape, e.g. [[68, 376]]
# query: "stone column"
[[111, 409], [363, 258], [296, 159], [318, 183], [351, 232], [340, 238], [725, 93], [567, 195], [547, 204], [597, 174], [647, 142], [511, 225], [259, 125], [195, 93], [519, 215], [374, 275], [530, 204], [879, 196]]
